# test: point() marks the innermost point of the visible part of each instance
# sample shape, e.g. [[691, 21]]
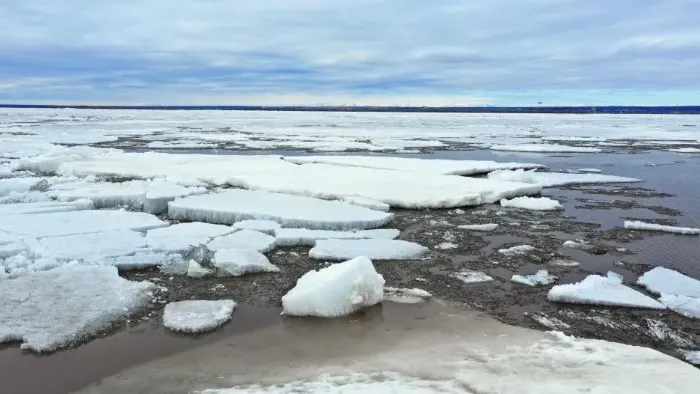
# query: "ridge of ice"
[[375, 249], [302, 236], [599, 290], [195, 316]]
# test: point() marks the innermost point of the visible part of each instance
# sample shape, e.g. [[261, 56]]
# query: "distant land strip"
[[682, 110]]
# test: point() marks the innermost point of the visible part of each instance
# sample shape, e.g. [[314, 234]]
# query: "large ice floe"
[[682, 304], [48, 310], [90, 246], [550, 179], [375, 249], [337, 290], [602, 290], [231, 206], [302, 236], [196, 316], [663, 280], [637, 225]]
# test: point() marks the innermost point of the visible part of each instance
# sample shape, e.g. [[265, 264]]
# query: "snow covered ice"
[[244, 239], [600, 290], [532, 203], [302, 236], [179, 237], [375, 249], [663, 280], [290, 211], [637, 225], [479, 227], [551, 179], [337, 290], [47, 310], [197, 316], [237, 262], [263, 226], [541, 277]]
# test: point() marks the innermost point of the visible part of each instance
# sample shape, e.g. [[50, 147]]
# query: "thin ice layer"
[[636, 225], [291, 211], [196, 316], [53, 309], [179, 237], [302, 236], [337, 290], [599, 290], [550, 179], [237, 262], [663, 280], [244, 239], [531, 203], [375, 249]]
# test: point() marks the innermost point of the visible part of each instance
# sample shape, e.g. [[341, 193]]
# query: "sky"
[[350, 52]]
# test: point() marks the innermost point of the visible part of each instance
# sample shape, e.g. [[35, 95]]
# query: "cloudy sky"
[[391, 52]]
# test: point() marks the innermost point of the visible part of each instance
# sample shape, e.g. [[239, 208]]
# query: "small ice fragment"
[[446, 246], [532, 203], [468, 277], [378, 249], [663, 280], [517, 250], [302, 236], [564, 263], [194, 270], [197, 316], [542, 277], [405, 296], [637, 225], [237, 262], [479, 227]]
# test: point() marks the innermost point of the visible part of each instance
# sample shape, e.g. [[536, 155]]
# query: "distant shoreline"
[[679, 110]]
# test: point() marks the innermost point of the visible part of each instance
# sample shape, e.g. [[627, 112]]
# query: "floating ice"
[[545, 148], [103, 194], [337, 290], [263, 226], [180, 237], [376, 249], [446, 246], [244, 239], [563, 263], [542, 277], [194, 270], [517, 250], [45, 207], [91, 246], [636, 225], [469, 277], [302, 236], [599, 290], [479, 227], [9, 185], [691, 356], [291, 211], [159, 193], [405, 296], [579, 244], [367, 203], [53, 309], [535, 204], [550, 179], [663, 280], [684, 305], [196, 316], [237, 262]]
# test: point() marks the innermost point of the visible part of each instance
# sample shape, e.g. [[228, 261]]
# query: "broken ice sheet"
[[599, 290], [377, 249], [197, 316]]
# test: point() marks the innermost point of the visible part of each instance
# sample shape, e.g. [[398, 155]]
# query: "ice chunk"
[[535, 204], [263, 226], [337, 290], [244, 239], [405, 296], [376, 249], [194, 270], [545, 148], [691, 356], [549, 179], [579, 244], [237, 262], [53, 309], [9, 185], [159, 193], [542, 277], [684, 305], [367, 203], [636, 225], [91, 246], [103, 194], [517, 250], [446, 246], [302, 236], [479, 227], [599, 290], [180, 237], [663, 280], [291, 211], [591, 170], [564, 263], [469, 277], [78, 222], [45, 207], [196, 316]]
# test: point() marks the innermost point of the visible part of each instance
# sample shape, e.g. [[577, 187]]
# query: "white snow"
[[663, 280], [599, 290], [550, 179], [302, 236], [517, 250], [532, 203], [686, 306], [685, 150], [545, 148], [637, 225], [197, 316], [45, 207], [375, 249], [90, 246], [367, 203], [244, 239], [237, 262], [263, 226], [195, 270], [541, 277], [479, 227], [471, 276], [53, 309], [180, 237], [337, 290], [406, 296], [291, 211]]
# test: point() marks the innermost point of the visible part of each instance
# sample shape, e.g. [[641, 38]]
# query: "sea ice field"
[[154, 251]]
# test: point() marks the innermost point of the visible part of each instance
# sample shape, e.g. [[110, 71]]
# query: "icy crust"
[[337, 290], [179, 237], [599, 290], [550, 179], [663, 280], [531, 203], [197, 316], [636, 225], [302, 236], [237, 262], [232, 206], [541, 277], [244, 239], [57, 308], [45, 207], [545, 148], [375, 249]]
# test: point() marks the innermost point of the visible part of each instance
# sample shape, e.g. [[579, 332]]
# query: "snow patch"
[[663, 280]]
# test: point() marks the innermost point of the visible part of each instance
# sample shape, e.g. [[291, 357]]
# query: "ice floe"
[[532, 203], [263, 226], [195, 270], [479, 227], [541, 277], [10, 185], [545, 148], [469, 277], [663, 280], [684, 305], [550, 179], [637, 225], [179, 237], [196, 316], [45, 207], [53, 309], [302, 236], [237, 262], [337, 290], [517, 250], [91, 246], [159, 193], [244, 239], [375, 249], [600, 290]]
